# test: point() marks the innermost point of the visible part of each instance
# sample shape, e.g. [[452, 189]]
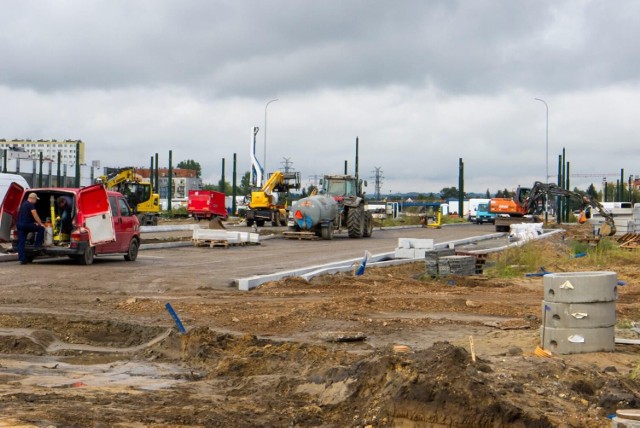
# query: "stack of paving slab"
[[413, 248], [432, 257], [579, 312], [207, 236], [457, 265], [633, 225]]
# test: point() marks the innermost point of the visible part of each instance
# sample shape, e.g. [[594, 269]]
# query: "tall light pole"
[[546, 215], [264, 159]]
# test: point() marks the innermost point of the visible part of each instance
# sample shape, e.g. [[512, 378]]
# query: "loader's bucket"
[[216, 223], [607, 229]]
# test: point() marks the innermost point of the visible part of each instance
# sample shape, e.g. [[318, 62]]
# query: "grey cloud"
[[252, 48]]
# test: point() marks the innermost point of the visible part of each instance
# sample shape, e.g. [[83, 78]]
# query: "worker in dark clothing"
[[64, 204], [29, 221]]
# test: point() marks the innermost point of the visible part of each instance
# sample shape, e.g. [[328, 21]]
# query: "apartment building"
[[68, 149]]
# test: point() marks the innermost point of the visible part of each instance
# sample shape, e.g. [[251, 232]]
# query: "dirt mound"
[[440, 386]]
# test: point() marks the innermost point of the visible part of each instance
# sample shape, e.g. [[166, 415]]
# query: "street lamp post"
[[264, 158], [546, 215]]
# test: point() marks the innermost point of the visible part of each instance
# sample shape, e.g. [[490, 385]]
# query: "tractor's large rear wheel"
[[355, 222], [368, 225]]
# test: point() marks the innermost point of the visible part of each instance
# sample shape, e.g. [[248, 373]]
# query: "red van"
[[103, 223]]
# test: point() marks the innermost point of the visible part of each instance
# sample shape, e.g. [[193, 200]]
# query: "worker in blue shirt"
[[29, 221]]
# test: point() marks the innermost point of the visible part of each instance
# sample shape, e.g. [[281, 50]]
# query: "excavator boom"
[[531, 201], [538, 195]]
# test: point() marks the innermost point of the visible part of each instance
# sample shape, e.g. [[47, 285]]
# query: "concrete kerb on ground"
[[378, 260], [545, 235]]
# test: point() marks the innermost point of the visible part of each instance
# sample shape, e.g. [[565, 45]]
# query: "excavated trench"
[[272, 381]]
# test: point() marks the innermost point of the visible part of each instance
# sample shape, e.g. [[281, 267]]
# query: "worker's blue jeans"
[[23, 231], [65, 222]]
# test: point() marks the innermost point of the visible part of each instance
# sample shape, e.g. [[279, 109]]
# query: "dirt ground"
[[390, 348]]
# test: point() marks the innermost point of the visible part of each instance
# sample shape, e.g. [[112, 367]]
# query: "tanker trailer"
[[339, 205]]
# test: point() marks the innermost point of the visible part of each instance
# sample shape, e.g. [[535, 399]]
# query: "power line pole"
[[286, 163], [378, 181]]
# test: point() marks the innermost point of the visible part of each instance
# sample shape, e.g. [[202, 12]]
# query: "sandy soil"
[[390, 348]]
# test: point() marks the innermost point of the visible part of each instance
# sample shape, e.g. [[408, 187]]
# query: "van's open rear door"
[[93, 203], [9, 212]]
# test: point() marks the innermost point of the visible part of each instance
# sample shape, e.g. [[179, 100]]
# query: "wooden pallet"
[[629, 241], [300, 235], [214, 243], [592, 241]]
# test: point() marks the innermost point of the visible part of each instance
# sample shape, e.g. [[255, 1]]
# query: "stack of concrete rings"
[[579, 312]]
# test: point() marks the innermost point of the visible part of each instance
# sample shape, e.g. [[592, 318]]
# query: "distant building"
[[48, 148]]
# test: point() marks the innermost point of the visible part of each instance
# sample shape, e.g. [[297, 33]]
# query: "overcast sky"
[[421, 84]]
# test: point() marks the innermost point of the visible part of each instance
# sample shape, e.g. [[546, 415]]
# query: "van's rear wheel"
[[87, 257], [132, 254]]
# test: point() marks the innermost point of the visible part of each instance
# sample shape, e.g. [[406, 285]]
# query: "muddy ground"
[[390, 348]]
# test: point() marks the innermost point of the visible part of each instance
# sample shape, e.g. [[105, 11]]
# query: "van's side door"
[[126, 225]]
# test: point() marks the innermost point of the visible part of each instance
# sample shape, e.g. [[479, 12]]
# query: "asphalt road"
[[220, 267], [185, 269]]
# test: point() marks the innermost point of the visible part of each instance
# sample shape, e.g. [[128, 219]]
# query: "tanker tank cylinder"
[[311, 211], [302, 221]]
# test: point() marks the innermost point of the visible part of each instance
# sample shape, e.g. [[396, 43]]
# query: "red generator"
[[206, 204]]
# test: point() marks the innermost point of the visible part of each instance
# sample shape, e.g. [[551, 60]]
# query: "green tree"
[[592, 192], [449, 193], [504, 194], [488, 194], [190, 164], [224, 187], [245, 185]]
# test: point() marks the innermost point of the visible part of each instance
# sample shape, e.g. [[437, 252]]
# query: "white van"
[[6, 180]]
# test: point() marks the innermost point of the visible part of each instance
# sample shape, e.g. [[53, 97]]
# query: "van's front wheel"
[[132, 254]]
